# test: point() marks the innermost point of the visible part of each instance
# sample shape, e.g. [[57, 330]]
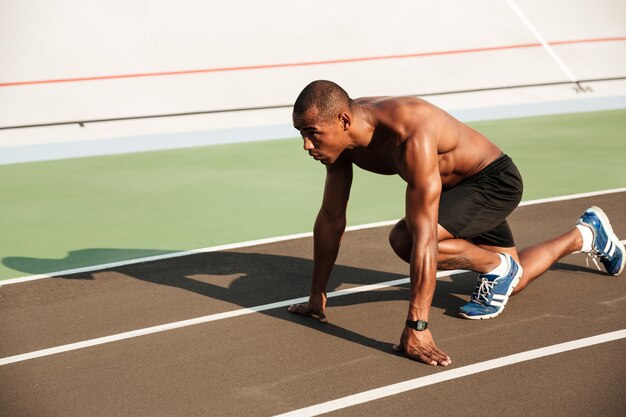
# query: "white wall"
[[51, 40]]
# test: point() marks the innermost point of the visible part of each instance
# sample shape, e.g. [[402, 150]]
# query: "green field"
[[65, 214]]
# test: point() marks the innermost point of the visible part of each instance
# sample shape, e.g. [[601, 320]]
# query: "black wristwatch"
[[419, 325]]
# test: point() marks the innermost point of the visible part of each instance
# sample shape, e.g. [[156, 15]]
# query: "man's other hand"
[[314, 308], [420, 346]]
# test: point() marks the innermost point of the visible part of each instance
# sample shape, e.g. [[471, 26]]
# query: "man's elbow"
[[329, 221]]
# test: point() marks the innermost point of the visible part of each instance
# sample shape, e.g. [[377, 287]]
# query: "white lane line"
[[209, 249], [571, 197], [145, 331], [244, 311], [266, 241], [476, 368], [542, 40], [199, 320]]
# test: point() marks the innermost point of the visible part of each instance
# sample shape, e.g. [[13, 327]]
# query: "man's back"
[[461, 150]]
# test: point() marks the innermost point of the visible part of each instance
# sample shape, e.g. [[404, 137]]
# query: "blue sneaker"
[[492, 292], [605, 245]]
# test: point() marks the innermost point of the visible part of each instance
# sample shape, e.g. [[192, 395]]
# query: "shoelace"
[[483, 290], [594, 254]]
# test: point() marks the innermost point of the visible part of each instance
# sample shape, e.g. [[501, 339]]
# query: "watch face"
[[419, 325]]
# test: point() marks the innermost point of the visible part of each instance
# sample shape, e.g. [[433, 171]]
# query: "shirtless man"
[[460, 189]]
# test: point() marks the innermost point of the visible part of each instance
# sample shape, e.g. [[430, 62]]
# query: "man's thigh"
[[476, 209]]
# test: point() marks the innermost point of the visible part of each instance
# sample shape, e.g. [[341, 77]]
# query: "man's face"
[[324, 140]]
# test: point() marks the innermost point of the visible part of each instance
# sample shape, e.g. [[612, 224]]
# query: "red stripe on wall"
[[308, 63]]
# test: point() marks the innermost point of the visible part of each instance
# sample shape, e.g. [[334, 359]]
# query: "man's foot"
[[605, 245], [492, 292]]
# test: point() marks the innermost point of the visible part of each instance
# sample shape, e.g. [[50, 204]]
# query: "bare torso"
[[462, 151]]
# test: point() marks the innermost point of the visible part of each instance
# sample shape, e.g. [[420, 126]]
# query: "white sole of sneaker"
[[611, 234], [621, 245], [483, 317]]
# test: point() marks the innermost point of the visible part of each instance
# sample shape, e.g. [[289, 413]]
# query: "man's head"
[[323, 113]]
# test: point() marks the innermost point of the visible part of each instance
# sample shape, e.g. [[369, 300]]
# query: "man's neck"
[[363, 126]]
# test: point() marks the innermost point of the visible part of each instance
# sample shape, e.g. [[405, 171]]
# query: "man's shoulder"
[[407, 117], [391, 102], [402, 110]]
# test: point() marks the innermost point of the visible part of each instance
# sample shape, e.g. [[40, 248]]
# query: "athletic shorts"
[[476, 208]]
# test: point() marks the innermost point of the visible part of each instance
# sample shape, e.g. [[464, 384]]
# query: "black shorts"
[[476, 208]]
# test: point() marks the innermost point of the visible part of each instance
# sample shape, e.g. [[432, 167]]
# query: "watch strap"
[[419, 325]]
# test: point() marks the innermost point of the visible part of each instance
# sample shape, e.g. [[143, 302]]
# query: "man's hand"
[[314, 308], [421, 347]]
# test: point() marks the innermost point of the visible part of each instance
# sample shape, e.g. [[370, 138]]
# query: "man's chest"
[[381, 161]]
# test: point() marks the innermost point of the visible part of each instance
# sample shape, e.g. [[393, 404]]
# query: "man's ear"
[[345, 120]]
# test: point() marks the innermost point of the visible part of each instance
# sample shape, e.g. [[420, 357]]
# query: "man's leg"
[[452, 253], [501, 270], [535, 260], [462, 254]]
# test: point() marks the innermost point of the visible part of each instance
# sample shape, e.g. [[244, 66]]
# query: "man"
[[460, 189]]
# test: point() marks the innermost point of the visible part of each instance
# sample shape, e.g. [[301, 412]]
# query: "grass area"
[[565, 154], [64, 214]]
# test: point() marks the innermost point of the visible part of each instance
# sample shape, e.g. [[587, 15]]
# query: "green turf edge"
[[58, 215]]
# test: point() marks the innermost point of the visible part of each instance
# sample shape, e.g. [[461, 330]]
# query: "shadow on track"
[[252, 279]]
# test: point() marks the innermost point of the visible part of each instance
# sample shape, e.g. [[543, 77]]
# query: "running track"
[[271, 362]]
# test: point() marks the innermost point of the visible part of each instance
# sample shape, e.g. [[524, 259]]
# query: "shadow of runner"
[[77, 259], [252, 279], [560, 266]]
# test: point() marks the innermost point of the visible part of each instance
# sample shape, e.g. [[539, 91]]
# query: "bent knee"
[[399, 234], [401, 241]]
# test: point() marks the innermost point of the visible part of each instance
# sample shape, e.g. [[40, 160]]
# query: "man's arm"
[[421, 171], [327, 232]]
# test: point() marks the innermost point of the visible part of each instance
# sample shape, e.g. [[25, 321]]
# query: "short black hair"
[[328, 97]]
